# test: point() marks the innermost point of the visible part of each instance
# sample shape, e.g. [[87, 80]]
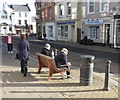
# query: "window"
[[104, 6], [25, 21], [60, 9], [50, 31], [19, 14], [50, 12], [25, 14], [64, 31], [94, 32], [4, 14], [69, 8], [19, 22], [91, 6]]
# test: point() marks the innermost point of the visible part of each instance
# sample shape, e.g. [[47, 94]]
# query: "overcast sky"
[[30, 3]]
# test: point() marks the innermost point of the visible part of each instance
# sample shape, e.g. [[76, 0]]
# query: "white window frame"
[[89, 7], [62, 8], [101, 3], [69, 8]]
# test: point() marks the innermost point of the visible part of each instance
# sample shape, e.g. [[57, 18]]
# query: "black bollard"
[[106, 84]]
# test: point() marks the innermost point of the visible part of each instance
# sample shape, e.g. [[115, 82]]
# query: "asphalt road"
[[100, 61]]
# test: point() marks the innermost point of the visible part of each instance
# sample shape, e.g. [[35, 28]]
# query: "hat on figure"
[[47, 46]]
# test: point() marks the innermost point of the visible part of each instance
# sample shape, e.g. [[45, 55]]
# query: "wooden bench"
[[50, 63]]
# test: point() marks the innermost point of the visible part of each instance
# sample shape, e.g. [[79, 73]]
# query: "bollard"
[[55, 52], [86, 70], [106, 84]]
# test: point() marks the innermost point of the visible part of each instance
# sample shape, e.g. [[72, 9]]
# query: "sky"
[[30, 3]]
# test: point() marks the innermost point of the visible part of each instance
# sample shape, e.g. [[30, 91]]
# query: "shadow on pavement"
[[16, 76]]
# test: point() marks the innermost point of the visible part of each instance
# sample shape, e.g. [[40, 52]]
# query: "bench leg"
[[39, 69], [62, 75]]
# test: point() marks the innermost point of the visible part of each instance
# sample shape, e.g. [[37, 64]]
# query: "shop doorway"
[[107, 34]]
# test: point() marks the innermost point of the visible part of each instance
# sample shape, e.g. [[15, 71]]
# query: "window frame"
[[92, 5], [69, 8], [101, 5]]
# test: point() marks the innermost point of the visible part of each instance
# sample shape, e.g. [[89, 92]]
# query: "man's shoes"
[[11, 51], [70, 77], [8, 51], [22, 71], [25, 72]]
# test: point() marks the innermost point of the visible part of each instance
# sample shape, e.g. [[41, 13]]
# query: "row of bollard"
[[86, 71]]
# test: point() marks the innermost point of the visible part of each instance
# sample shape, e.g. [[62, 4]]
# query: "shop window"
[[94, 32], [50, 31], [64, 31]]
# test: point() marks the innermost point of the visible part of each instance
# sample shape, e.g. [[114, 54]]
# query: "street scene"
[[88, 40]]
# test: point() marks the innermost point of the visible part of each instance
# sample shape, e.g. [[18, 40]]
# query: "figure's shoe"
[[25, 72], [8, 51], [70, 77], [11, 51], [22, 71]]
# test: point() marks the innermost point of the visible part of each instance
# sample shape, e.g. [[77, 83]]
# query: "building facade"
[[60, 20], [21, 18], [98, 21], [5, 19], [68, 19], [16, 19]]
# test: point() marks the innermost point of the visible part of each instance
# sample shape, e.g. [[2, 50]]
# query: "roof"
[[20, 7]]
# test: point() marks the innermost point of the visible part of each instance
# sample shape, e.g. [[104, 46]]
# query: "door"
[[107, 34]]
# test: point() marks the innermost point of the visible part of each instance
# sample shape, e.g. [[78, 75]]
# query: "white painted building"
[[5, 19], [16, 19]]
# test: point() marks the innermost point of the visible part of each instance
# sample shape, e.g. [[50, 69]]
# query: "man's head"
[[47, 46], [23, 36], [64, 50]]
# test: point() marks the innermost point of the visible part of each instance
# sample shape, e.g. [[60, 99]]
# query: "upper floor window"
[[104, 5], [69, 8], [91, 6], [50, 12], [4, 14], [61, 10], [25, 21], [19, 22], [25, 14], [19, 14]]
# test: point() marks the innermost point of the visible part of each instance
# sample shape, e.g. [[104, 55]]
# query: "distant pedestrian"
[[62, 61], [47, 50], [10, 42], [44, 35], [23, 49]]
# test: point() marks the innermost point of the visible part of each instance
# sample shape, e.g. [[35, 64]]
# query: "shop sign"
[[66, 23], [93, 22]]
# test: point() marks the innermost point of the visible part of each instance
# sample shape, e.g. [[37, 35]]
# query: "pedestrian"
[[47, 50], [23, 49], [10, 42], [44, 35], [61, 61]]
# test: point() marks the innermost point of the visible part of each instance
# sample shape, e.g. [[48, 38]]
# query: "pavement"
[[35, 86]]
